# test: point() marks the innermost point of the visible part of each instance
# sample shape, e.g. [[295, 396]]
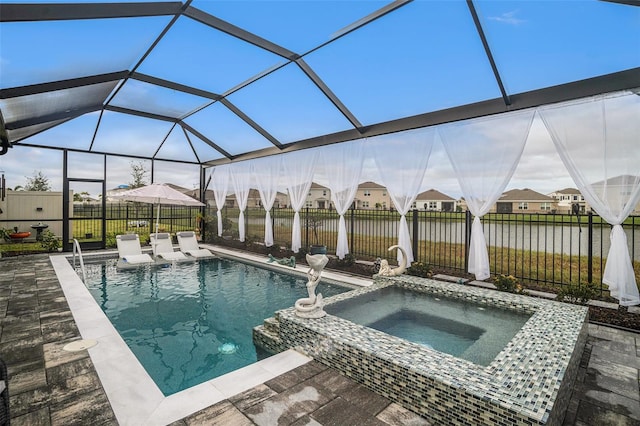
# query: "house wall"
[[368, 198], [319, 198], [434, 205], [527, 206]]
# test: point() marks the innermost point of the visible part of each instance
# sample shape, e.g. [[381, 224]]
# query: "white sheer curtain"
[[402, 159], [597, 139], [298, 168], [340, 167], [267, 174], [484, 153], [241, 180], [220, 184]]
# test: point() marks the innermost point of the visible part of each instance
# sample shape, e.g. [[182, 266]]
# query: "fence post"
[[306, 233], [467, 238], [414, 232], [590, 249], [351, 228]]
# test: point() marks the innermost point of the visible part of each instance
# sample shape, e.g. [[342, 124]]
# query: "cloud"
[[508, 18]]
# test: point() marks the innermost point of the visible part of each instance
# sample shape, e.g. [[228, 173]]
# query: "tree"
[[138, 173], [81, 196], [38, 182]]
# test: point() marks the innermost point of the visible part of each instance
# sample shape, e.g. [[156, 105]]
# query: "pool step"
[[267, 340], [272, 325]]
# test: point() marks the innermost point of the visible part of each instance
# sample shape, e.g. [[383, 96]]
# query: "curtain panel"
[[597, 139], [340, 167], [241, 181], [220, 183], [298, 169], [401, 160], [267, 174], [484, 153]]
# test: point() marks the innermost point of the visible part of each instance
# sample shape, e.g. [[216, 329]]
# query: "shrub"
[[301, 254], [348, 260], [578, 293], [508, 283], [110, 240], [4, 234], [419, 269], [49, 241]]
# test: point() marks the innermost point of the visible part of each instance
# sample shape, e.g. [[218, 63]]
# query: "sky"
[[423, 57]]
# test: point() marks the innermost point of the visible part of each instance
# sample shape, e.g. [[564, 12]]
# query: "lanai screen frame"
[[627, 79]]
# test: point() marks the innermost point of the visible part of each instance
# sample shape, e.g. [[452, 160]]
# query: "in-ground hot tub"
[[529, 381], [467, 330]]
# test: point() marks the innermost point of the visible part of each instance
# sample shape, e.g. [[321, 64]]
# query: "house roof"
[[567, 191], [525, 194], [434, 195], [370, 185], [317, 186]]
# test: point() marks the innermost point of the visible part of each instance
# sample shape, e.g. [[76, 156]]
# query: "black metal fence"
[[543, 249]]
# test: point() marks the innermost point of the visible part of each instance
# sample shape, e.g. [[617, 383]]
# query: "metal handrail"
[[76, 247]]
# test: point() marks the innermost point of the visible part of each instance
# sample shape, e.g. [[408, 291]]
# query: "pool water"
[[192, 322], [460, 328]]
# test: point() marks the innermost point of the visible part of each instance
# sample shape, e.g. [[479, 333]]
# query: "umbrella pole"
[[158, 219], [155, 240]]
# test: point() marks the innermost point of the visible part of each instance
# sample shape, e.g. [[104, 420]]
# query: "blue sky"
[[423, 57]]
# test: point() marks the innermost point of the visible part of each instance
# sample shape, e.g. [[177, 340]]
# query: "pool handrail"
[[76, 247]]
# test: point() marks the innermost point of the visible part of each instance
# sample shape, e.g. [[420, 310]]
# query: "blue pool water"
[[192, 322], [460, 328]]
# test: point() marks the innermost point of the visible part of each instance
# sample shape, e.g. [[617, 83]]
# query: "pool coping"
[[134, 396], [530, 380]]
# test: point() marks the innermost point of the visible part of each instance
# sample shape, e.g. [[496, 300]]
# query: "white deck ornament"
[[385, 269], [311, 307]]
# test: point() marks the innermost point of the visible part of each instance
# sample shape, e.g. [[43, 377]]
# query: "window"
[[433, 205], [545, 206], [309, 194], [384, 204], [523, 206], [365, 204], [367, 193], [413, 205], [384, 193], [309, 204], [575, 198], [324, 192]]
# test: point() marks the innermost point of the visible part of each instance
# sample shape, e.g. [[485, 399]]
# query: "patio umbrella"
[[157, 193]]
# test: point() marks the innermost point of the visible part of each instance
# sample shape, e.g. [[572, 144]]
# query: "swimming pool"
[[191, 322], [461, 328]]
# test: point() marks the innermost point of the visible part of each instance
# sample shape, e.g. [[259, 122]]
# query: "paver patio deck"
[[49, 386]]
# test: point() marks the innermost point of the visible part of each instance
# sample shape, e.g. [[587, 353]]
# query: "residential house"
[[319, 197], [433, 200], [254, 201], [524, 201], [566, 198], [371, 195], [618, 190]]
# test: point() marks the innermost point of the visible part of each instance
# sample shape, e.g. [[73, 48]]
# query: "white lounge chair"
[[162, 247], [130, 251], [189, 245]]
